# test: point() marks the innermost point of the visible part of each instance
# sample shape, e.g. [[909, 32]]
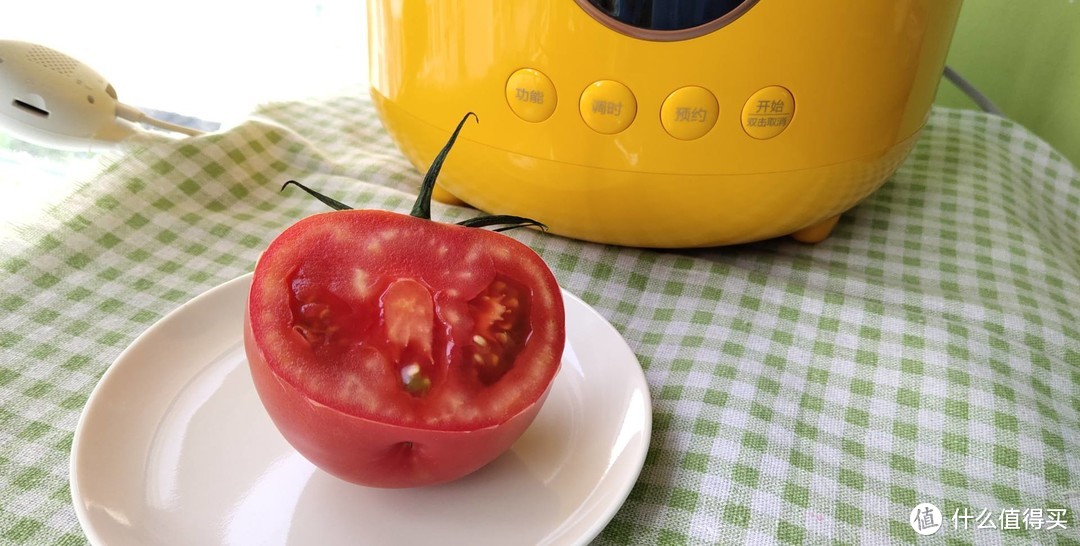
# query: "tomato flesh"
[[381, 343], [500, 320]]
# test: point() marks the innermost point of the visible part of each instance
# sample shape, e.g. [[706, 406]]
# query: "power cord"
[[129, 113], [981, 100]]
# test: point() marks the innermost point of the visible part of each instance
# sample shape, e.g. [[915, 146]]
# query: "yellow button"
[[531, 95], [607, 106], [689, 113], [768, 112]]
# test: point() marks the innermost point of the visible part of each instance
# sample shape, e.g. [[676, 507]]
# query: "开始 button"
[[531, 95], [608, 106], [689, 112], [768, 112]]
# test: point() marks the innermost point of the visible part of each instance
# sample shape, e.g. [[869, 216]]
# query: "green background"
[[1025, 56]]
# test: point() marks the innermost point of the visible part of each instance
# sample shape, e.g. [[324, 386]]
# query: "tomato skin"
[[376, 452]]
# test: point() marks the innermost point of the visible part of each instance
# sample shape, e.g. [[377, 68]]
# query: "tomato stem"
[[507, 221], [422, 207], [330, 202]]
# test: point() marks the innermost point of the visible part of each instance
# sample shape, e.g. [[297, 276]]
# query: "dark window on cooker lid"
[[666, 14]]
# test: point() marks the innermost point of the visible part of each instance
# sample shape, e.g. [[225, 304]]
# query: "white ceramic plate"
[[174, 447]]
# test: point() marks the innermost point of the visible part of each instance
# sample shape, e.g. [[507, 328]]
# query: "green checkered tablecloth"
[[929, 351]]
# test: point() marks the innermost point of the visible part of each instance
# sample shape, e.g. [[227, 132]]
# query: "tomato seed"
[[313, 338], [312, 310], [479, 341], [409, 372], [416, 383]]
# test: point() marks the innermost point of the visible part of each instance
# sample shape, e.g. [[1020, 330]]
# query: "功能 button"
[[531, 95]]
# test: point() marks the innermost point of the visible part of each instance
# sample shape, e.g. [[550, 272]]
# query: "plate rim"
[[636, 380]]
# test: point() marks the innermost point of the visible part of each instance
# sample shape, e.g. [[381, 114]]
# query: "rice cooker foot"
[[815, 233]]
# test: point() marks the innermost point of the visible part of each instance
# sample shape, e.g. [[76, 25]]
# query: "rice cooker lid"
[[665, 20]]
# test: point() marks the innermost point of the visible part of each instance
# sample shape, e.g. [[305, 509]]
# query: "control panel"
[[687, 113]]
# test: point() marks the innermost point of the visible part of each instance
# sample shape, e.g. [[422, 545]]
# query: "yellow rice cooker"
[[661, 123]]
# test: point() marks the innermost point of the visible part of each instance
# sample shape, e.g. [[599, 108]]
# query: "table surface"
[[928, 351]]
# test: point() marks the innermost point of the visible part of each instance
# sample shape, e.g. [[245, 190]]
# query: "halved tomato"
[[394, 351]]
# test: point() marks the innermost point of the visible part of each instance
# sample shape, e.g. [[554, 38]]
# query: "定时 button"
[[768, 112], [689, 112], [531, 95], [607, 106]]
